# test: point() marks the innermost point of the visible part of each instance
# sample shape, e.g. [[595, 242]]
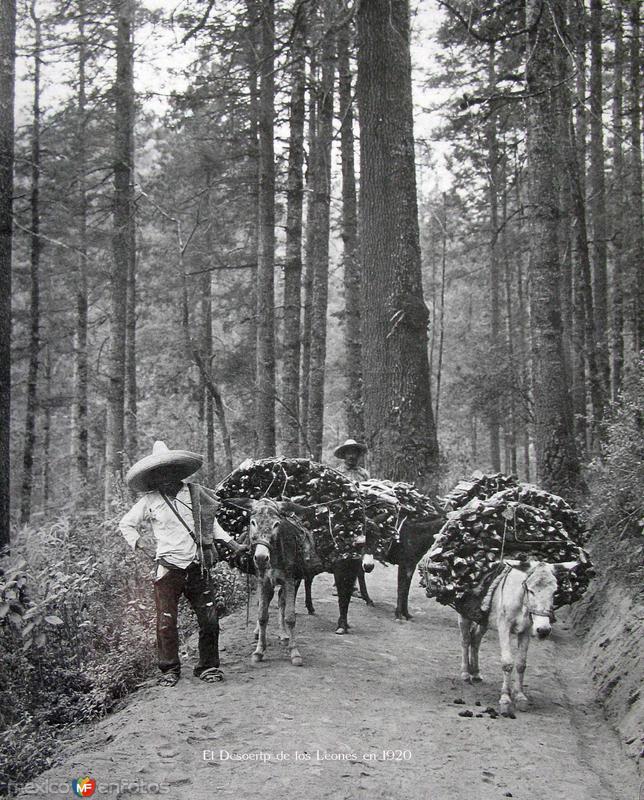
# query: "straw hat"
[[163, 465], [350, 444]]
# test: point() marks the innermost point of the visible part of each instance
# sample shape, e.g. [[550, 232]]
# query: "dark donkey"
[[271, 531], [415, 540]]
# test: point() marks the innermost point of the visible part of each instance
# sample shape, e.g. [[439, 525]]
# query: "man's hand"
[[145, 550], [209, 556], [237, 547]]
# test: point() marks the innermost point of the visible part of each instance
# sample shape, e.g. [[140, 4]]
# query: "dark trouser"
[[199, 590]]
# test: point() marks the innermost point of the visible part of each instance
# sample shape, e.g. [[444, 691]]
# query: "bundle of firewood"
[[389, 505], [521, 522], [337, 518], [478, 485]]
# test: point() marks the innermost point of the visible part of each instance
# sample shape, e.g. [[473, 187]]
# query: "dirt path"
[[385, 687]]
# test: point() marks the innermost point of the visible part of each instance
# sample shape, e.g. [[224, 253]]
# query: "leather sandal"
[[211, 675], [168, 679]]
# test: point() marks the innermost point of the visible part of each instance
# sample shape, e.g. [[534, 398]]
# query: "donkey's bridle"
[[534, 612]]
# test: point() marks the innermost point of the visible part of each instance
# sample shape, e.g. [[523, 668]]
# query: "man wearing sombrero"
[[182, 517], [350, 452]]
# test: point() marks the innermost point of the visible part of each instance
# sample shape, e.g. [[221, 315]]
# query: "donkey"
[[348, 570], [520, 603], [274, 544]]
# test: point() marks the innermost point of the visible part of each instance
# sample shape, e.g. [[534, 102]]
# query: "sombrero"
[[163, 465], [350, 444]]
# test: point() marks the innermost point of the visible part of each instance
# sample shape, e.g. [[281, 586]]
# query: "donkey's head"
[[367, 544], [539, 587], [271, 538]]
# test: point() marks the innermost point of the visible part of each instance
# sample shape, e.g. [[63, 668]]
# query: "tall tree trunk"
[[131, 426], [598, 206], [206, 338], [557, 462], [619, 210], [634, 283], [495, 314], [351, 263], [580, 378], [121, 243], [265, 364], [252, 40], [46, 432], [511, 335], [441, 331], [7, 92], [34, 290], [399, 422], [79, 406], [293, 266], [309, 254], [321, 211]]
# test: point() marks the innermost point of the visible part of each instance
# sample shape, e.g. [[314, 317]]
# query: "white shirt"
[[174, 543]]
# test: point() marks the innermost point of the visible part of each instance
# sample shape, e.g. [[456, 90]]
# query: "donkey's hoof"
[[311, 611], [407, 616], [477, 678], [257, 657], [522, 702], [370, 603], [506, 710], [297, 661], [466, 677], [340, 631]]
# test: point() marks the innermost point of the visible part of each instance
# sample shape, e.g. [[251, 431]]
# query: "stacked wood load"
[[389, 505], [338, 519], [488, 526]]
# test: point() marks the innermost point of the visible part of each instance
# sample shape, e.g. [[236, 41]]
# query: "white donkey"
[[521, 603]]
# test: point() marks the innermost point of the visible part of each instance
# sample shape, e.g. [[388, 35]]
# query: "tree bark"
[[321, 212], [619, 210], [557, 461], [7, 93], [351, 262], [634, 283], [309, 251], [34, 289], [79, 431], [206, 340], [598, 207], [131, 426], [441, 331], [121, 243], [293, 267], [399, 421], [265, 363], [495, 314]]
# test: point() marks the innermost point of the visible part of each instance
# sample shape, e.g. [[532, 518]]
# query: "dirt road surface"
[[369, 715]]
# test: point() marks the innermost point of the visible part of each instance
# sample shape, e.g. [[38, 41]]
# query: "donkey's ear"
[[524, 566], [565, 566], [289, 507], [240, 502]]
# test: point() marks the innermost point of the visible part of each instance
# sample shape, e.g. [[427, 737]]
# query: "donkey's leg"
[[520, 698], [345, 578], [405, 574], [362, 583], [265, 587], [507, 664], [289, 592], [308, 600], [478, 632], [283, 634], [465, 626]]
